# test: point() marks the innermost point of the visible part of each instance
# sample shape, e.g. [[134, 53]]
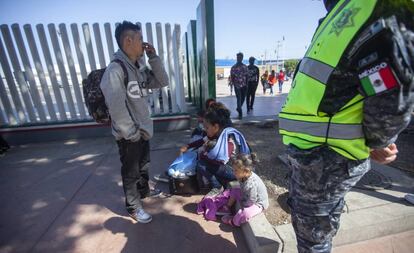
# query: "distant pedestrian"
[[230, 84], [271, 80], [252, 82], [263, 80], [238, 75], [281, 79]]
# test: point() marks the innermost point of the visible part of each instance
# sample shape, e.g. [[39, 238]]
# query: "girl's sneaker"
[[227, 219], [224, 210]]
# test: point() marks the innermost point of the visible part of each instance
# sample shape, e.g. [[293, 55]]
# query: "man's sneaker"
[[227, 219], [161, 178], [224, 210], [155, 193], [141, 216], [410, 198]]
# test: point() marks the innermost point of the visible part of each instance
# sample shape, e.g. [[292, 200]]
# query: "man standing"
[[252, 82], [238, 75], [350, 98], [130, 117]]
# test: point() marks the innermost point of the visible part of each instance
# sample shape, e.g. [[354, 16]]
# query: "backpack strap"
[[124, 69]]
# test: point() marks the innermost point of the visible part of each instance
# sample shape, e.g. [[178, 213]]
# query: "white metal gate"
[[41, 72]]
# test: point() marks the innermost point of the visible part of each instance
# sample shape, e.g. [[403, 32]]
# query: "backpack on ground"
[[94, 98]]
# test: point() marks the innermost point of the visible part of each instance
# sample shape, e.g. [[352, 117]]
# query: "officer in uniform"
[[352, 94]]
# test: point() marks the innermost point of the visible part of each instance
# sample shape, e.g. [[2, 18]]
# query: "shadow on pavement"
[[173, 238]]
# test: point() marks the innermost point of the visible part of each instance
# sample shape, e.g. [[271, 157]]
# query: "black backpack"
[[94, 98]]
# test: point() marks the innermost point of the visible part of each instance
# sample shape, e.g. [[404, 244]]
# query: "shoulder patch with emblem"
[[377, 79]]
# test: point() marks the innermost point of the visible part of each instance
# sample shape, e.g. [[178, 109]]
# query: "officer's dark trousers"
[[251, 93], [135, 158], [319, 180]]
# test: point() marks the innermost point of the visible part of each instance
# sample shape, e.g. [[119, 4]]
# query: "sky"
[[253, 27]]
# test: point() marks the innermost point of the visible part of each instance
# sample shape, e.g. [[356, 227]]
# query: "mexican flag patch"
[[378, 79]]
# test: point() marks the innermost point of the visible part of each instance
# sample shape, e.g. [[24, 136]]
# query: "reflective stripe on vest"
[[320, 129], [316, 69]]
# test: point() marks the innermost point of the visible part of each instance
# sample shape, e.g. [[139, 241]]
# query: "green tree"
[[290, 65]]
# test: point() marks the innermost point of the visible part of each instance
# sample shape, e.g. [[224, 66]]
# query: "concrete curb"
[[260, 235], [361, 225]]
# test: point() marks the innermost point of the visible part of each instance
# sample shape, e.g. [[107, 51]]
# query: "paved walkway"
[[67, 197], [265, 105]]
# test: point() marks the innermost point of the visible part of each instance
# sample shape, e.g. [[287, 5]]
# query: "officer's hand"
[[385, 155], [149, 49]]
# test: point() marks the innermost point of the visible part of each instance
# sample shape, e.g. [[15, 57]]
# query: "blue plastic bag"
[[185, 164]]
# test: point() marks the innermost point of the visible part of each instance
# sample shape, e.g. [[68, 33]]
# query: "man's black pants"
[[251, 93], [240, 95], [135, 159]]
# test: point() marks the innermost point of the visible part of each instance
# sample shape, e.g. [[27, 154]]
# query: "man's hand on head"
[[149, 49]]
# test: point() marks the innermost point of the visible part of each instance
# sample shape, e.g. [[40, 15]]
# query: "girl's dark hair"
[[217, 113], [244, 162], [209, 101], [123, 27]]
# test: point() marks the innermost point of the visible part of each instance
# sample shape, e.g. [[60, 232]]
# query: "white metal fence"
[[41, 73]]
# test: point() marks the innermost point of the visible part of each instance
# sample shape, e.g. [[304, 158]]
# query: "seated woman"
[[221, 143]]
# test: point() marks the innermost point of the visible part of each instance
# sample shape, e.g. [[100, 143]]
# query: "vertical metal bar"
[[177, 56], [39, 68], [34, 92], [78, 49], [89, 47], [99, 46], [11, 117], [72, 70], [143, 59], [164, 90], [172, 72], [62, 71], [51, 70], [21, 118], [108, 35], [3, 121], [155, 92], [24, 89]]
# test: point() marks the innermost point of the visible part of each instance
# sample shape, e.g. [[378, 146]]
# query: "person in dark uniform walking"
[[253, 75], [352, 94]]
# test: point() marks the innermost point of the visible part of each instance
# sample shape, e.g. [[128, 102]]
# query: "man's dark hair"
[[240, 54], [122, 28]]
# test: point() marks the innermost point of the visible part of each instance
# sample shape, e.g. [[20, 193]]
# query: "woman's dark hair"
[[209, 101], [122, 28], [217, 113]]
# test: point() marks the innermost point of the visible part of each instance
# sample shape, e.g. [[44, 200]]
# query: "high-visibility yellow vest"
[[300, 122]]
